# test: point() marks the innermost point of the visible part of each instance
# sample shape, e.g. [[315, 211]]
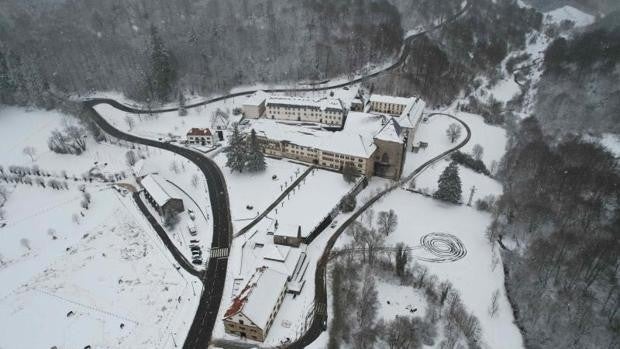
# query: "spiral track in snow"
[[445, 248]]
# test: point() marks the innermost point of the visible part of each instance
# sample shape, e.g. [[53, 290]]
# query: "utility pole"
[[471, 195]]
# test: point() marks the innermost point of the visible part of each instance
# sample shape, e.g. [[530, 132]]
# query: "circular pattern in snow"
[[445, 248]]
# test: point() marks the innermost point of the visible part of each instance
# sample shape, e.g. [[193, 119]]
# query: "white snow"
[[475, 275], [105, 264], [320, 189], [570, 13]]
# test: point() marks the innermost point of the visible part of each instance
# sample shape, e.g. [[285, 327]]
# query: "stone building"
[[254, 309], [159, 198], [200, 136]]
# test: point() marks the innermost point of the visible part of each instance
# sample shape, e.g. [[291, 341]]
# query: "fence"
[[325, 222]]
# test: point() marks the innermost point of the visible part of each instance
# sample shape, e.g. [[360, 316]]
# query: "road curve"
[[319, 322], [214, 277]]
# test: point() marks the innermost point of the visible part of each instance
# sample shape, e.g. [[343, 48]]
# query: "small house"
[[159, 198]]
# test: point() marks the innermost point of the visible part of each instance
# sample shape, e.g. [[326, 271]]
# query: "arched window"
[[385, 158]]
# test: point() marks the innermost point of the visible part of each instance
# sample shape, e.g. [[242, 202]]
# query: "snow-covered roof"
[[322, 103], [259, 296], [412, 113], [199, 132], [391, 132], [155, 190], [255, 99], [355, 139], [390, 99], [276, 252]]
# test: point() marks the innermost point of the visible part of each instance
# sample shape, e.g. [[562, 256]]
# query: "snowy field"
[[98, 276], [257, 190], [476, 276], [310, 202], [162, 125]]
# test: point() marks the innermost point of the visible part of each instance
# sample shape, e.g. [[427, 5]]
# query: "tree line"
[[561, 208]]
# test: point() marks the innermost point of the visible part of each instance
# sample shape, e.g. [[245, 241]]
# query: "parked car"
[[334, 224], [194, 241], [191, 214], [197, 261]]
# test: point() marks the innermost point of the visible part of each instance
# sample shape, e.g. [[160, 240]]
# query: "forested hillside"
[[153, 48], [560, 206], [593, 6], [446, 61], [580, 88]]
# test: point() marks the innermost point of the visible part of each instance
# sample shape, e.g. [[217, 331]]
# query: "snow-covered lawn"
[[477, 275], [162, 125], [75, 274], [310, 202], [78, 288], [257, 190]]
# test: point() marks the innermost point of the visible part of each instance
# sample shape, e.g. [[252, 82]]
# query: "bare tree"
[[25, 243], [477, 151], [494, 307], [174, 166], [130, 122], [4, 195], [387, 221], [454, 132], [30, 151], [52, 233], [195, 180], [400, 259], [131, 158]]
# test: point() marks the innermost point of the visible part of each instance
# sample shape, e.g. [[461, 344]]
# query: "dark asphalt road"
[[215, 276], [178, 256]]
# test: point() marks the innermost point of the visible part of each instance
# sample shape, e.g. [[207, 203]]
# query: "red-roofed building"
[[254, 309], [200, 136]]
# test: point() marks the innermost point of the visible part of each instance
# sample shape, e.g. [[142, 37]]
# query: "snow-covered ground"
[[479, 273], [98, 276], [476, 276], [569, 13], [310, 202], [257, 190]]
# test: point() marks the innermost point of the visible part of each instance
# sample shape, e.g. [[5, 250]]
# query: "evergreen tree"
[[163, 74], [235, 154], [255, 160], [7, 85], [182, 109], [449, 185]]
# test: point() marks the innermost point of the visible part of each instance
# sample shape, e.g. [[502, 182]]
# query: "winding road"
[[214, 277]]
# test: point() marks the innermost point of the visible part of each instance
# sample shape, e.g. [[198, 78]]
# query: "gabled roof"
[[152, 185], [199, 132], [255, 99], [258, 298], [322, 104], [391, 132]]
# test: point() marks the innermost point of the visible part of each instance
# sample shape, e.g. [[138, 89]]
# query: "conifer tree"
[[235, 155], [163, 74], [449, 185], [182, 109], [255, 160]]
